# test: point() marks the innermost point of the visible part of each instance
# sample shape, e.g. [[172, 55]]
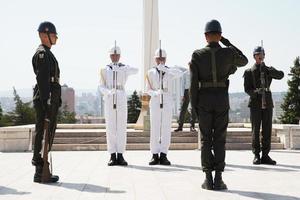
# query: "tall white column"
[[150, 34], [150, 44]]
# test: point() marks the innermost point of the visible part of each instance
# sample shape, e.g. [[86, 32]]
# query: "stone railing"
[[19, 138], [289, 135], [16, 138]]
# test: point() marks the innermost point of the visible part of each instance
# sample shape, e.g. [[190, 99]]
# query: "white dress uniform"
[[113, 79], [161, 118]]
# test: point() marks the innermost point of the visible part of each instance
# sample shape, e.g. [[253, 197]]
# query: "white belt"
[[118, 87]]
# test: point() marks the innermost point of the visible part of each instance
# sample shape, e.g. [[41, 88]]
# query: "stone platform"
[[85, 175]]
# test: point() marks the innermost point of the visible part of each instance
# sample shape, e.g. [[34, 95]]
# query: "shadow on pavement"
[[154, 168], [84, 187], [11, 191], [263, 195], [262, 167]]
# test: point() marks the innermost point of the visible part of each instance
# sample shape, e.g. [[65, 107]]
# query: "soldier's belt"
[[212, 84], [54, 80], [265, 89], [118, 87]]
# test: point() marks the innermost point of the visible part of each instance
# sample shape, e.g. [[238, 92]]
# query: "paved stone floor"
[[85, 175]]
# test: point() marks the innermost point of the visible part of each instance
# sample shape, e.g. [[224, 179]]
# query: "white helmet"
[[163, 53], [114, 50]]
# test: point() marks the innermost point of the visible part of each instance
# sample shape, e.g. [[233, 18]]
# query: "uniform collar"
[[255, 66], [46, 47], [213, 44]]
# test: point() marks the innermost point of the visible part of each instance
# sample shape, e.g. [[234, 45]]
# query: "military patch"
[[41, 55]]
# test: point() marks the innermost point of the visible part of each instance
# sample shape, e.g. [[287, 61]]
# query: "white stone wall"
[[16, 138]]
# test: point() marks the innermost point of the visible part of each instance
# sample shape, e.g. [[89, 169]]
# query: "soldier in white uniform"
[[112, 82], [159, 87]]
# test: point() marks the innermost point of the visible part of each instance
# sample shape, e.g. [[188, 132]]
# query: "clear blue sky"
[[88, 28]]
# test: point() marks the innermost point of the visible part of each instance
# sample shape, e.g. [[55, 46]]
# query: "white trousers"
[[116, 122], [161, 122]]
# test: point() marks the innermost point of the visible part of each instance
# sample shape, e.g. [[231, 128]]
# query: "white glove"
[[111, 92], [162, 67], [154, 94], [160, 92]]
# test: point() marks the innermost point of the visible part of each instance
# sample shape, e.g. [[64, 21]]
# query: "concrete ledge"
[[16, 138], [289, 135]]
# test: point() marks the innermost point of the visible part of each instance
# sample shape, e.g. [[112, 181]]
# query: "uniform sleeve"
[[275, 74], [172, 72], [103, 88], [43, 75], [248, 85], [131, 70], [239, 59], [149, 86], [194, 81]]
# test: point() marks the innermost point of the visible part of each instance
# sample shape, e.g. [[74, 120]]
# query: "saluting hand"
[[225, 41]]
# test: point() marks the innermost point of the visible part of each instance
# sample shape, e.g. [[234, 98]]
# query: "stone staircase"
[[81, 137]]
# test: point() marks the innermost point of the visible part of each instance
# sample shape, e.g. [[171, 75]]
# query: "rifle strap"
[[253, 79]]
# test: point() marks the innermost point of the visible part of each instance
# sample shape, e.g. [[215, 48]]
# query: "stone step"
[[131, 126], [248, 146], [145, 146], [102, 140], [102, 133], [138, 133]]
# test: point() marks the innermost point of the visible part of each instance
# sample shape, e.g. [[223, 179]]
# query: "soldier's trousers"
[[213, 126], [262, 117], [183, 109], [116, 122], [39, 126]]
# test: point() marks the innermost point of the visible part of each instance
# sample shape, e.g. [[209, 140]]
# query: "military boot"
[[38, 176], [256, 160], [218, 182], [164, 160], [193, 130], [113, 160], [37, 160], [154, 160], [178, 129], [121, 160], [265, 159], [208, 182]]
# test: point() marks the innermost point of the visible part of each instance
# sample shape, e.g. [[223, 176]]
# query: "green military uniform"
[[46, 100], [210, 68], [258, 115]]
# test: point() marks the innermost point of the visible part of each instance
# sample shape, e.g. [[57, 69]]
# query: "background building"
[[68, 98]]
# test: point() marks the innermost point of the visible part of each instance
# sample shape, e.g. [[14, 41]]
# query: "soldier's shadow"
[[289, 166], [85, 187], [262, 168], [262, 195], [155, 168], [11, 191], [188, 167]]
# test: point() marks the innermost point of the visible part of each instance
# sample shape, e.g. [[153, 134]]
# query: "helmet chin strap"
[[48, 34]]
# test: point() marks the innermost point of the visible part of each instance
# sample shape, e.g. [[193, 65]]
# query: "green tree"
[[66, 117], [291, 104], [134, 108], [23, 113], [1, 112]]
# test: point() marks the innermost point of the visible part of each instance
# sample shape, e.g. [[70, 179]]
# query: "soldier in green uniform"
[[257, 81], [47, 94], [210, 68]]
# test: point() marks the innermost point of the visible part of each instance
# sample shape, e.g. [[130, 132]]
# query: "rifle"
[[46, 175], [161, 99], [115, 80], [161, 78], [263, 84]]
